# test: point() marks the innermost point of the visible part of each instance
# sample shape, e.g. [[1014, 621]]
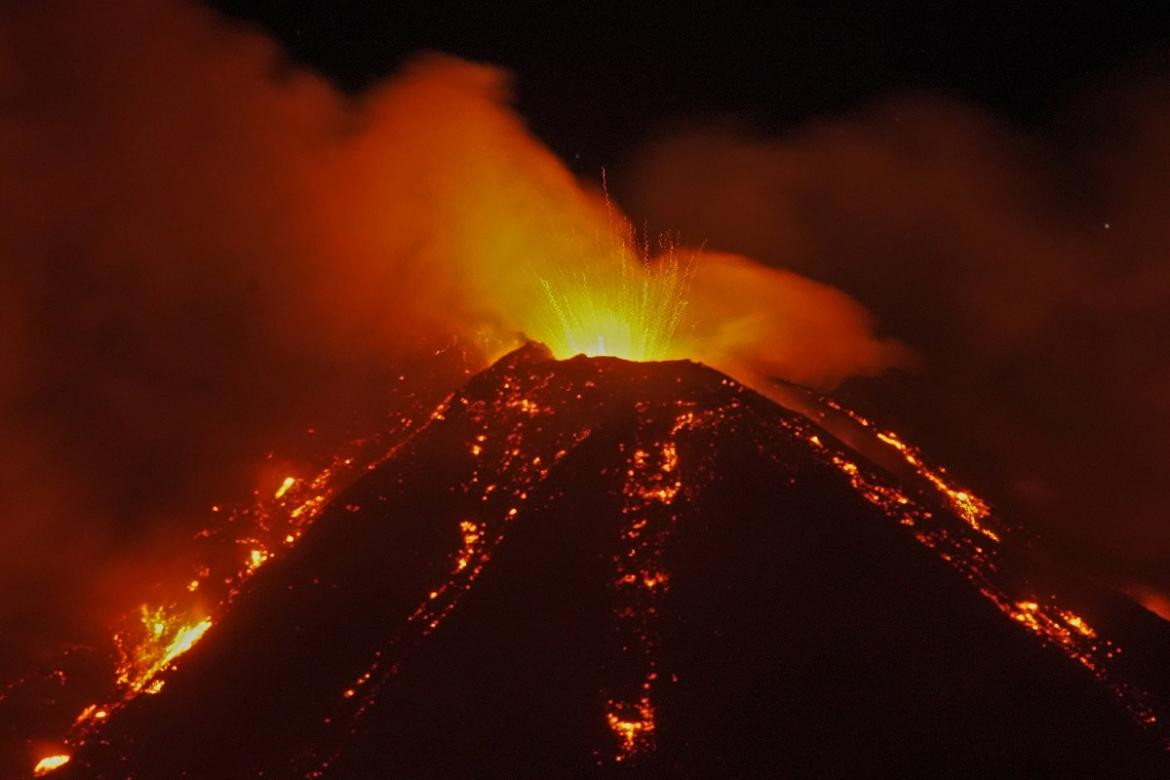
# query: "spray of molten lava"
[[635, 317], [618, 304]]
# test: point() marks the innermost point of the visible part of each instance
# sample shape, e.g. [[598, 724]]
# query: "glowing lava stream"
[[621, 302], [166, 643], [977, 559], [505, 473], [500, 483], [151, 645], [653, 482]]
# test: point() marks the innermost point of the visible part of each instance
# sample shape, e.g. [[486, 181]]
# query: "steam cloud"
[[207, 249], [1029, 270]]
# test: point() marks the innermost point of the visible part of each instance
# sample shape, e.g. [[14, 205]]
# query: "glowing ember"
[[284, 487], [471, 544], [634, 734], [972, 509], [257, 557], [49, 764], [91, 713]]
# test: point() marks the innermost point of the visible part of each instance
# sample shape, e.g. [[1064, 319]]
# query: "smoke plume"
[[1028, 269], [207, 250]]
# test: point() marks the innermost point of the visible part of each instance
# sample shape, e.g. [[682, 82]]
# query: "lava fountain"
[[620, 303]]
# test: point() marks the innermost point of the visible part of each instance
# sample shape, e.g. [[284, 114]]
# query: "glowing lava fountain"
[[630, 309]]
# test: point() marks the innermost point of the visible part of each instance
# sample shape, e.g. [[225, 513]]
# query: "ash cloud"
[[1028, 269], [207, 249]]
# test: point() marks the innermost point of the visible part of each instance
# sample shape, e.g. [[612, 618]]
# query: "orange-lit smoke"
[[756, 323], [208, 249]]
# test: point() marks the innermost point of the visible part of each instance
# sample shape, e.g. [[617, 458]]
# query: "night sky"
[[595, 80]]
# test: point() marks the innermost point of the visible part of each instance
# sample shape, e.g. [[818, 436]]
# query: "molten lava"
[[617, 302], [164, 638], [634, 315], [148, 641], [49, 764]]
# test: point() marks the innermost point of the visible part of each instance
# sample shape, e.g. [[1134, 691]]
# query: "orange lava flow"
[[50, 764], [977, 558], [504, 472], [653, 482], [150, 641], [971, 508], [509, 451], [166, 638]]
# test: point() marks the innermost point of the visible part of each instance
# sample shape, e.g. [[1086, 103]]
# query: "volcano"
[[592, 566]]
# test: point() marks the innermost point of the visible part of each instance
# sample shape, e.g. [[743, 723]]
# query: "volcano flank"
[[593, 565]]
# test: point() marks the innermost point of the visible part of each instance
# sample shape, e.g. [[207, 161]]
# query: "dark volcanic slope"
[[594, 565]]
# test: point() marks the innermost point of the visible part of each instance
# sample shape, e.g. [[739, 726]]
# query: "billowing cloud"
[[207, 250], [1028, 270]]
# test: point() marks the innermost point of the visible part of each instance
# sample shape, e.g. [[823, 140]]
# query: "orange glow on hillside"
[[977, 557], [150, 639], [513, 440]]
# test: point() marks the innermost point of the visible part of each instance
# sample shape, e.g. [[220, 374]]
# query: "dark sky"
[[593, 81]]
